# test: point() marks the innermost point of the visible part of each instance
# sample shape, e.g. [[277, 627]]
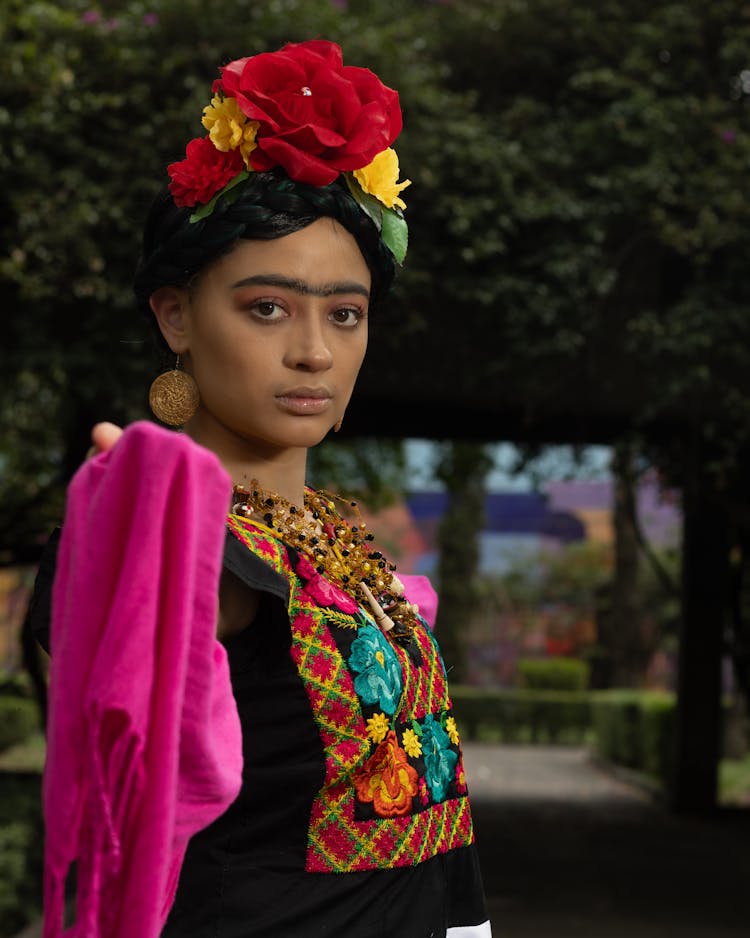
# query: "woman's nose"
[[308, 348]]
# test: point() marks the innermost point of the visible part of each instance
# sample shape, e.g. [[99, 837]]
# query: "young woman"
[[263, 264]]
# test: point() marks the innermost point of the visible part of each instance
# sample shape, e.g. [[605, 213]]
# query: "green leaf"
[[395, 234], [390, 223], [205, 210], [369, 204]]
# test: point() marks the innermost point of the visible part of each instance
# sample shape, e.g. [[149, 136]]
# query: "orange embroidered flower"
[[387, 780]]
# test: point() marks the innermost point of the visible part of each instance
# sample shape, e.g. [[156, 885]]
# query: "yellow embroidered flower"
[[380, 179], [452, 730], [228, 127], [377, 727], [411, 744]]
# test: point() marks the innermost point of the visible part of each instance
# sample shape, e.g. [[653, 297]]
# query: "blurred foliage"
[[559, 673], [21, 850], [19, 717], [522, 715], [95, 100], [635, 729], [555, 586], [578, 199], [562, 599]]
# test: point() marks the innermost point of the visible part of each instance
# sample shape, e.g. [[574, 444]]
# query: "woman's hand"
[[103, 437]]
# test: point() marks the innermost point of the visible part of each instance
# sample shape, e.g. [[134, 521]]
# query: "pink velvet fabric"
[[144, 742]]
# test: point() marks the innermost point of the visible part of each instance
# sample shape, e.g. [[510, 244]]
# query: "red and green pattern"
[[338, 843], [339, 839], [426, 690], [262, 542]]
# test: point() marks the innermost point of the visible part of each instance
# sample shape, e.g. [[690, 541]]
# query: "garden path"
[[570, 850]]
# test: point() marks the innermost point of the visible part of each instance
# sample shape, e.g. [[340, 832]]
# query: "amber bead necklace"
[[339, 549]]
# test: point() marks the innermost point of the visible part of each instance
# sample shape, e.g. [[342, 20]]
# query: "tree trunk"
[[705, 574], [463, 469], [625, 613]]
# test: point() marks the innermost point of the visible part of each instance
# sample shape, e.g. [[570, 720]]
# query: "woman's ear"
[[170, 307]]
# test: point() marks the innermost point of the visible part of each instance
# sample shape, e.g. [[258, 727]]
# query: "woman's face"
[[275, 333]]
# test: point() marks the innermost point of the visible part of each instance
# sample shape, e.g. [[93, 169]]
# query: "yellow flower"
[[228, 127], [452, 730], [379, 179], [377, 727], [412, 745]]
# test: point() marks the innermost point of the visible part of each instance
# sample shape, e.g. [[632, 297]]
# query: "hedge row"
[[536, 716], [556, 673], [635, 729]]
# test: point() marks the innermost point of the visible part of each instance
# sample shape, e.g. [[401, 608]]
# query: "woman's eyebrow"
[[301, 287]]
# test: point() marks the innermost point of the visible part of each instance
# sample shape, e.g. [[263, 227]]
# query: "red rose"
[[204, 171], [318, 118]]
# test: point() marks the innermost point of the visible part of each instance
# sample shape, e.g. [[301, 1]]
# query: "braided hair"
[[269, 205]]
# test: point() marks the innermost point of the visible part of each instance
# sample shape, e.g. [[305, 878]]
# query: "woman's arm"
[[238, 605]]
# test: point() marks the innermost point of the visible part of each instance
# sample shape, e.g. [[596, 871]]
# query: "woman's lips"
[[304, 401]]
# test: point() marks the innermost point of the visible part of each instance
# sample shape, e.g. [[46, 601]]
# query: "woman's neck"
[[278, 470]]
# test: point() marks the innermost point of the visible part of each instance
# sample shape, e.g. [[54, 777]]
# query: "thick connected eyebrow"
[[301, 287]]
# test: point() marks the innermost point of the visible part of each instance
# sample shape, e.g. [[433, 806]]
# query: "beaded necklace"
[[338, 549]]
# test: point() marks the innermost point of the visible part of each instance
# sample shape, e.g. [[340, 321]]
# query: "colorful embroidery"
[[378, 679], [394, 788], [387, 779], [322, 590], [452, 730], [377, 727], [440, 760], [412, 744], [261, 541]]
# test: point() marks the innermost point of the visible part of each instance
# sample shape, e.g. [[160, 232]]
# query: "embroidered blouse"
[[353, 818]]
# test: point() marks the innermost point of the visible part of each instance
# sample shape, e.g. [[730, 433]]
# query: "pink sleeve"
[[419, 590]]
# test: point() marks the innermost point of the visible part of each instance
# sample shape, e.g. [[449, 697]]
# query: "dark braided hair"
[[268, 205]]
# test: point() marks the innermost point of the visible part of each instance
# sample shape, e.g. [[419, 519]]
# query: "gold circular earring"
[[173, 396]]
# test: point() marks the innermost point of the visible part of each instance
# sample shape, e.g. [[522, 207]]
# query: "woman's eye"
[[267, 309], [347, 316]]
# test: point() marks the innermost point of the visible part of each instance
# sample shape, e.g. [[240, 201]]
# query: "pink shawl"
[[144, 743]]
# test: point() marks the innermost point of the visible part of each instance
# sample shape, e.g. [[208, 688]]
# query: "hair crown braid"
[[269, 206]]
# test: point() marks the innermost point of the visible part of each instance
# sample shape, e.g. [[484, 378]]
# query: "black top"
[[250, 873]]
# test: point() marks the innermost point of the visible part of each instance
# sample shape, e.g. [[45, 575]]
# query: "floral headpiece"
[[303, 110]]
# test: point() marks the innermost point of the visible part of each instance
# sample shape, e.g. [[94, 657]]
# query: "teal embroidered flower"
[[439, 759], [378, 679]]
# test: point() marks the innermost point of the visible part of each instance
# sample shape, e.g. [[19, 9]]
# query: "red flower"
[[387, 779], [204, 172], [318, 118]]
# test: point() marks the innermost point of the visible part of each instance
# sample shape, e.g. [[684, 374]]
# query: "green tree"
[[95, 100]]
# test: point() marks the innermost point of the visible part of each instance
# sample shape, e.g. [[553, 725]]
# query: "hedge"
[[635, 729], [534, 716], [556, 673]]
